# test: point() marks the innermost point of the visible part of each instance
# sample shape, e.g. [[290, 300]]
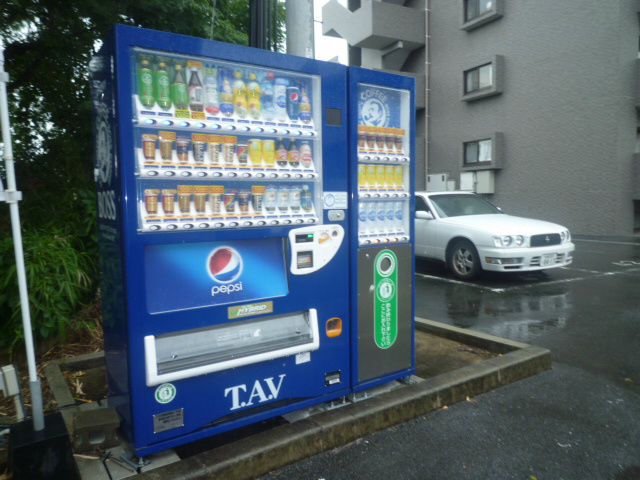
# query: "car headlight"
[[505, 241], [565, 236]]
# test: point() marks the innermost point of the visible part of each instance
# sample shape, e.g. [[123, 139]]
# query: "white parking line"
[[607, 241]]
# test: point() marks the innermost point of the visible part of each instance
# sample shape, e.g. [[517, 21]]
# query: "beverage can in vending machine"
[[182, 149], [270, 198], [243, 200], [215, 199], [293, 99], [230, 200], [151, 201], [240, 95], [362, 176], [257, 198], [255, 108], [226, 91], [184, 198], [306, 199], [294, 199], [161, 86], [282, 199], [168, 200], [243, 153], [211, 99], [269, 152], [305, 102], [280, 94]]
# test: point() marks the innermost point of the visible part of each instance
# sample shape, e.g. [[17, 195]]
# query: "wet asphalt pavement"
[[581, 420]]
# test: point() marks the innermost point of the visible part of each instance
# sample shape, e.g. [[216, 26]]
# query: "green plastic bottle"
[[179, 90], [145, 84], [161, 86]]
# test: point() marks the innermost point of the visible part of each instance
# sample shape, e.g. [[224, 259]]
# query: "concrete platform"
[[452, 365]]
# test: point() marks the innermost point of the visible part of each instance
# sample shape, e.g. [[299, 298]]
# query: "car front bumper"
[[525, 259]]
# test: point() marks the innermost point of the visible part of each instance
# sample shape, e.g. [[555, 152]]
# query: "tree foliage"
[[48, 45]]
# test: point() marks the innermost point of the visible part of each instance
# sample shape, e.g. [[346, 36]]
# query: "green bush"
[[61, 275]]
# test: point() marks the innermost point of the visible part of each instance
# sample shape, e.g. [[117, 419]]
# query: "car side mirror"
[[422, 215]]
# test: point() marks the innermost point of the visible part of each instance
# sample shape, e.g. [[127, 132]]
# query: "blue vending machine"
[[382, 175], [222, 180]]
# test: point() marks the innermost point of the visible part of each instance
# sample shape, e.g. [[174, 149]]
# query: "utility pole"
[[299, 19]]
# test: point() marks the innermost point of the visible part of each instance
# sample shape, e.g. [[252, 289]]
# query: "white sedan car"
[[471, 235]]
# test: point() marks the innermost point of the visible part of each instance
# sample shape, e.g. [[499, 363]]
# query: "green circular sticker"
[[385, 290], [165, 393]]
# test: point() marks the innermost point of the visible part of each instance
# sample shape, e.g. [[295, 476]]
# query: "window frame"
[[497, 79], [494, 13], [497, 153]]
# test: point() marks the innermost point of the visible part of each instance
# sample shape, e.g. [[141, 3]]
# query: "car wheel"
[[464, 261]]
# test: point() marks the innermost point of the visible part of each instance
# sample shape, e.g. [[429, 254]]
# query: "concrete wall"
[[566, 112]]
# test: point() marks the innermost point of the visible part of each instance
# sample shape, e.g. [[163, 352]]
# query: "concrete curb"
[[267, 451]]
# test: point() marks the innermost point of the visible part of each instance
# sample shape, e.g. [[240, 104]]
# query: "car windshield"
[[459, 205]]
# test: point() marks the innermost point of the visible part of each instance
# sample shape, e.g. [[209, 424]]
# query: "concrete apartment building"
[[534, 104]]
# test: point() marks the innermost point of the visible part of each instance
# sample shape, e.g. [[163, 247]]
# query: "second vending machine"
[[382, 173]]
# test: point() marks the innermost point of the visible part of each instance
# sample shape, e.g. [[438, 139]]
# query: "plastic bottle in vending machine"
[[211, 99], [255, 109], [179, 92], [281, 99], [372, 218], [293, 155], [268, 106], [270, 199], [294, 198], [304, 106], [240, 95], [362, 219], [282, 199], [161, 86], [226, 91], [145, 83], [281, 153], [399, 208], [381, 213], [391, 216], [306, 199], [196, 92], [305, 155]]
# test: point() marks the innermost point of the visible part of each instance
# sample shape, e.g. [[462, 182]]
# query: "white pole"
[[12, 198]]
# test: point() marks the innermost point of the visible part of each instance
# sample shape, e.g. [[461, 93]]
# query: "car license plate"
[[548, 260]]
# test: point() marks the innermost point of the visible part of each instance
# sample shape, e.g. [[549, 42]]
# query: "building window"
[[476, 13], [479, 78], [483, 79], [476, 8], [483, 152], [478, 151]]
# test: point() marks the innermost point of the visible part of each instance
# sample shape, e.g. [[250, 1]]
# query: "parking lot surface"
[[580, 420]]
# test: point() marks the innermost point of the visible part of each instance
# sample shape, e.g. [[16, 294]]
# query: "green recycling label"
[[386, 299]]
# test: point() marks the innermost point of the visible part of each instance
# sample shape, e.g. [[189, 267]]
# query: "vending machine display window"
[[384, 164], [220, 144]]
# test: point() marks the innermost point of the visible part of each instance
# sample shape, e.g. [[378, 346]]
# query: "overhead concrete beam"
[[375, 24]]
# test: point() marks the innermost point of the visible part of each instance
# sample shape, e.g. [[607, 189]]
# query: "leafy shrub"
[[61, 275]]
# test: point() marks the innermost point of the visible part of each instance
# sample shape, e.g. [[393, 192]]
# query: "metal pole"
[[299, 19], [12, 197]]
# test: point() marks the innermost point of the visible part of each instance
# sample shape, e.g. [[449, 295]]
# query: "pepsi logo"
[[293, 97], [224, 265]]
